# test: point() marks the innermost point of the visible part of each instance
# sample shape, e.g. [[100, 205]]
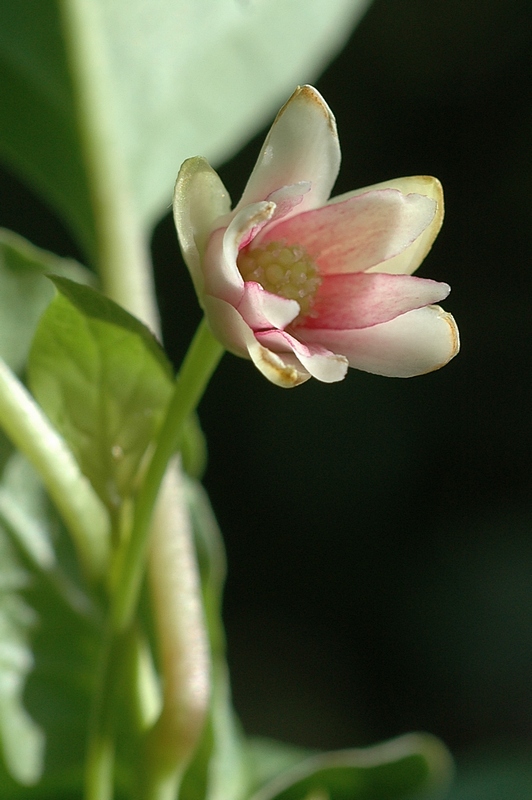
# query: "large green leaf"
[[170, 78], [221, 69], [25, 292], [104, 382]]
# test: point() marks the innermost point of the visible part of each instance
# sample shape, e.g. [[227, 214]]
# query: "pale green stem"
[[99, 765], [183, 645], [99, 768], [82, 511], [123, 254], [200, 362]]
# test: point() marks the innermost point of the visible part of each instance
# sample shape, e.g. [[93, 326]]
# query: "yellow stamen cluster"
[[286, 270]]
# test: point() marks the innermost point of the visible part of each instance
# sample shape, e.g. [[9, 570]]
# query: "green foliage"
[[21, 737], [104, 382], [25, 292], [49, 637], [406, 767]]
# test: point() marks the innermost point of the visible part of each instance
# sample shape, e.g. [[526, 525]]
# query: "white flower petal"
[[282, 369], [409, 260], [228, 326], [288, 197], [263, 310], [420, 341], [321, 363], [199, 199], [302, 145]]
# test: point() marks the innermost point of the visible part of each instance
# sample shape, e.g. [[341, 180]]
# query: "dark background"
[[379, 532]]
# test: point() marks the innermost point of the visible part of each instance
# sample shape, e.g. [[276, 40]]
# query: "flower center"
[[286, 270]]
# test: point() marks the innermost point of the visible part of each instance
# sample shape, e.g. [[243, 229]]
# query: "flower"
[[307, 286]]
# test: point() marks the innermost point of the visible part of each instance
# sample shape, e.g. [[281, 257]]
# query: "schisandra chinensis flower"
[[307, 286]]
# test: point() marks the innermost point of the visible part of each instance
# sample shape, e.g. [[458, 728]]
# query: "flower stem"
[[99, 765], [123, 260], [200, 362]]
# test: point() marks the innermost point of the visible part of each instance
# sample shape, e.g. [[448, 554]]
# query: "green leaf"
[[103, 380], [269, 758], [21, 738], [49, 635], [406, 767], [170, 79], [25, 292]]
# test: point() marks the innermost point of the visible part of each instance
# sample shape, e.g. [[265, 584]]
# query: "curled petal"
[[199, 199], [320, 362], [358, 233], [302, 145], [408, 261], [222, 278], [228, 326], [288, 197], [363, 299], [263, 310], [420, 341], [282, 369]]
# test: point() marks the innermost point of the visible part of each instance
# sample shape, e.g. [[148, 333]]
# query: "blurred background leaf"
[[50, 635], [173, 78], [407, 767], [25, 292]]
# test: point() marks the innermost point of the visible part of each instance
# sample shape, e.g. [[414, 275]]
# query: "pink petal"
[[283, 369], [222, 277], [414, 343], [319, 361], [302, 145], [263, 310], [359, 300], [359, 233], [409, 260]]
